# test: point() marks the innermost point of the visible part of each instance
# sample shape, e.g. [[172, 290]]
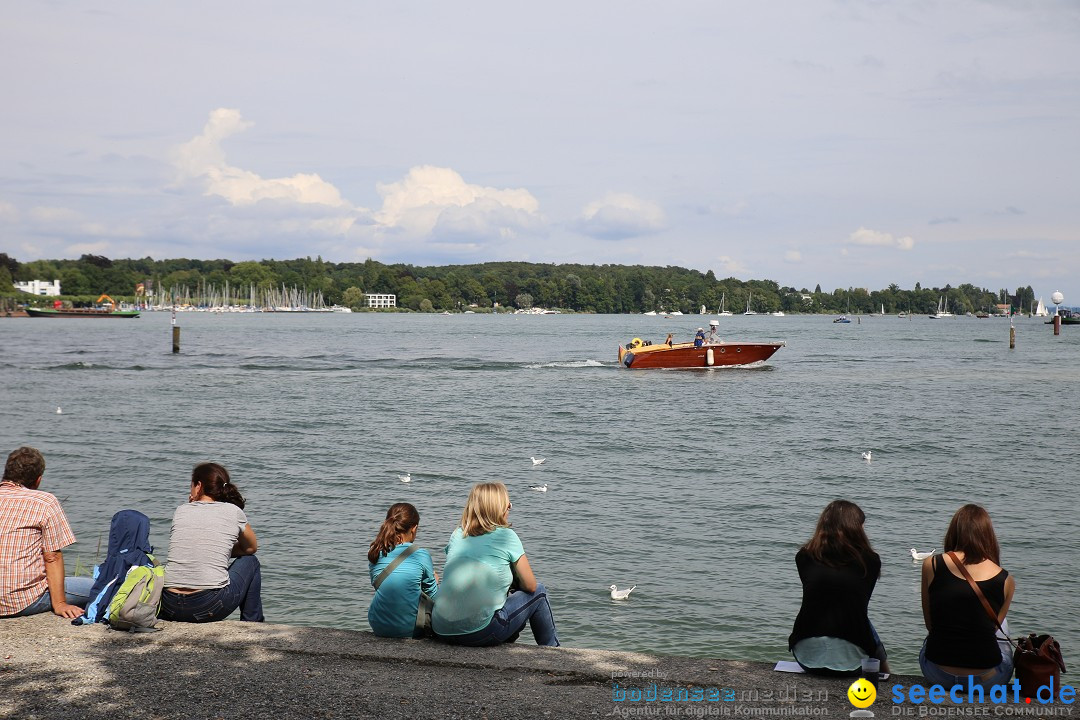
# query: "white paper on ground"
[[788, 666]]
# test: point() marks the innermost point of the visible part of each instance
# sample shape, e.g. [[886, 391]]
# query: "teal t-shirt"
[[392, 612], [475, 580]]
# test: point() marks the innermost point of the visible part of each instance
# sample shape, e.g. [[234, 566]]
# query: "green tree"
[[523, 300], [353, 298], [245, 274]]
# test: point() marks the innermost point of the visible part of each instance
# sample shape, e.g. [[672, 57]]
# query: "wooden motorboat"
[[637, 354]]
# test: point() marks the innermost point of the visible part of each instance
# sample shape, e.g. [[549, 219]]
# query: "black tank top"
[[961, 631]]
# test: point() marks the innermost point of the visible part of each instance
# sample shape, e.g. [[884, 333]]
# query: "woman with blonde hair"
[[484, 559], [962, 639], [399, 572]]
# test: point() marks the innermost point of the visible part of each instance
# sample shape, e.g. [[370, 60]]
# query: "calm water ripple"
[[698, 487]]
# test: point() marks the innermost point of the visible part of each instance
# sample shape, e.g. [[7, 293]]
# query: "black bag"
[[1038, 662], [423, 616], [1037, 659]]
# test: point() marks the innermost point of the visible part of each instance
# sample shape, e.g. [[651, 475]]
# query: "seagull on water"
[[539, 488], [868, 455], [407, 477], [916, 555], [617, 594], [537, 461], [59, 411]]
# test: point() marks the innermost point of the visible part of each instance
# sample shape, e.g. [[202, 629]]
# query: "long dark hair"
[[839, 537], [971, 532], [216, 483], [400, 519]]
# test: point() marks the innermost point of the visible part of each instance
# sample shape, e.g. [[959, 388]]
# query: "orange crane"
[[112, 303]]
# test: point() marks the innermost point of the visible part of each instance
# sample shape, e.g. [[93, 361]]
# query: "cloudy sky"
[[841, 142]]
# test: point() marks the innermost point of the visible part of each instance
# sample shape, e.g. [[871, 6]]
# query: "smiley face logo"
[[862, 693]]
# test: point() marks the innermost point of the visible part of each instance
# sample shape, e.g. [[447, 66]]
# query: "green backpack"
[[135, 606]]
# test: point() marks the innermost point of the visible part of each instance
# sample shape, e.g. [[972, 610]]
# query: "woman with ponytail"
[[392, 612], [211, 528]]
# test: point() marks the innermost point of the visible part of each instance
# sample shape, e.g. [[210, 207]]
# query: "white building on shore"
[[39, 287], [375, 300]]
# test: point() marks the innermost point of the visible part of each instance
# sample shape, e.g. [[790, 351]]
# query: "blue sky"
[[846, 143]]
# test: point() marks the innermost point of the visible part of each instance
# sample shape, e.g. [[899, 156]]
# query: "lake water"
[[697, 486]]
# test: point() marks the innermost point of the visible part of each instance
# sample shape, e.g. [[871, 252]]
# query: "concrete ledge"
[[51, 669]]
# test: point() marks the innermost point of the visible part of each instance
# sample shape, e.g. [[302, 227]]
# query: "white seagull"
[[916, 555], [407, 477], [537, 461], [617, 594], [868, 455], [59, 411], [539, 488]]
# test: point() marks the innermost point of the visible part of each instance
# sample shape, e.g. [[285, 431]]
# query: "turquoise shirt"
[[392, 612], [475, 581]]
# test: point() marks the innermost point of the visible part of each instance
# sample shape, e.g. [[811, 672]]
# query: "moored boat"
[[1068, 317], [80, 313], [637, 354]]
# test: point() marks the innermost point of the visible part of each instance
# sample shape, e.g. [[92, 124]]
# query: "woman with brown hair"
[[484, 559], [962, 642], [838, 570], [201, 585], [393, 610]]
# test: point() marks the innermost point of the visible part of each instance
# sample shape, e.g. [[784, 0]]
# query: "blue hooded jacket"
[[129, 546]]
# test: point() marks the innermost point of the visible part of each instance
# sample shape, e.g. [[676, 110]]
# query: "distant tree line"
[[580, 288]]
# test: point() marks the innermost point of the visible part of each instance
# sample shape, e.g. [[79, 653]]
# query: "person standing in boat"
[[713, 338]]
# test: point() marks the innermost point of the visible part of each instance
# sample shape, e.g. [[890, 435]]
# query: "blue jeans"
[[509, 620], [244, 591], [993, 676], [76, 592]]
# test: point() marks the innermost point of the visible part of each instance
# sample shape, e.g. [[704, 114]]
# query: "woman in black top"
[[962, 640], [838, 570]]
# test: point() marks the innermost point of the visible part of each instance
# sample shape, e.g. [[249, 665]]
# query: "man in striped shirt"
[[33, 531]]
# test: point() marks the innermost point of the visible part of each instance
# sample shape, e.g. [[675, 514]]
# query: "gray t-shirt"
[[203, 535]]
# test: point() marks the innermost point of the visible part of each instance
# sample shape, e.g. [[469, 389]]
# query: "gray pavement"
[[51, 669]]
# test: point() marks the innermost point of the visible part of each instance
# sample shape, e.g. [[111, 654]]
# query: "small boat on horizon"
[[80, 313], [722, 312], [942, 310]]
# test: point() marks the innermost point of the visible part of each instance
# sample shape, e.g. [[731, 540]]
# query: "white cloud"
[[434, 202], [202, 158], [8, 212], [729, 266], [98, 248], [618, 216], [428, 205], [793, 256], [873, 238]]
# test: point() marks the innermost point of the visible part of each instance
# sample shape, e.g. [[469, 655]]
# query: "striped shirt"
[[31, 524]]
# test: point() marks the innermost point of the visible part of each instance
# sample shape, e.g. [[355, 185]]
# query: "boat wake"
[[566, 364], [94, 366]]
